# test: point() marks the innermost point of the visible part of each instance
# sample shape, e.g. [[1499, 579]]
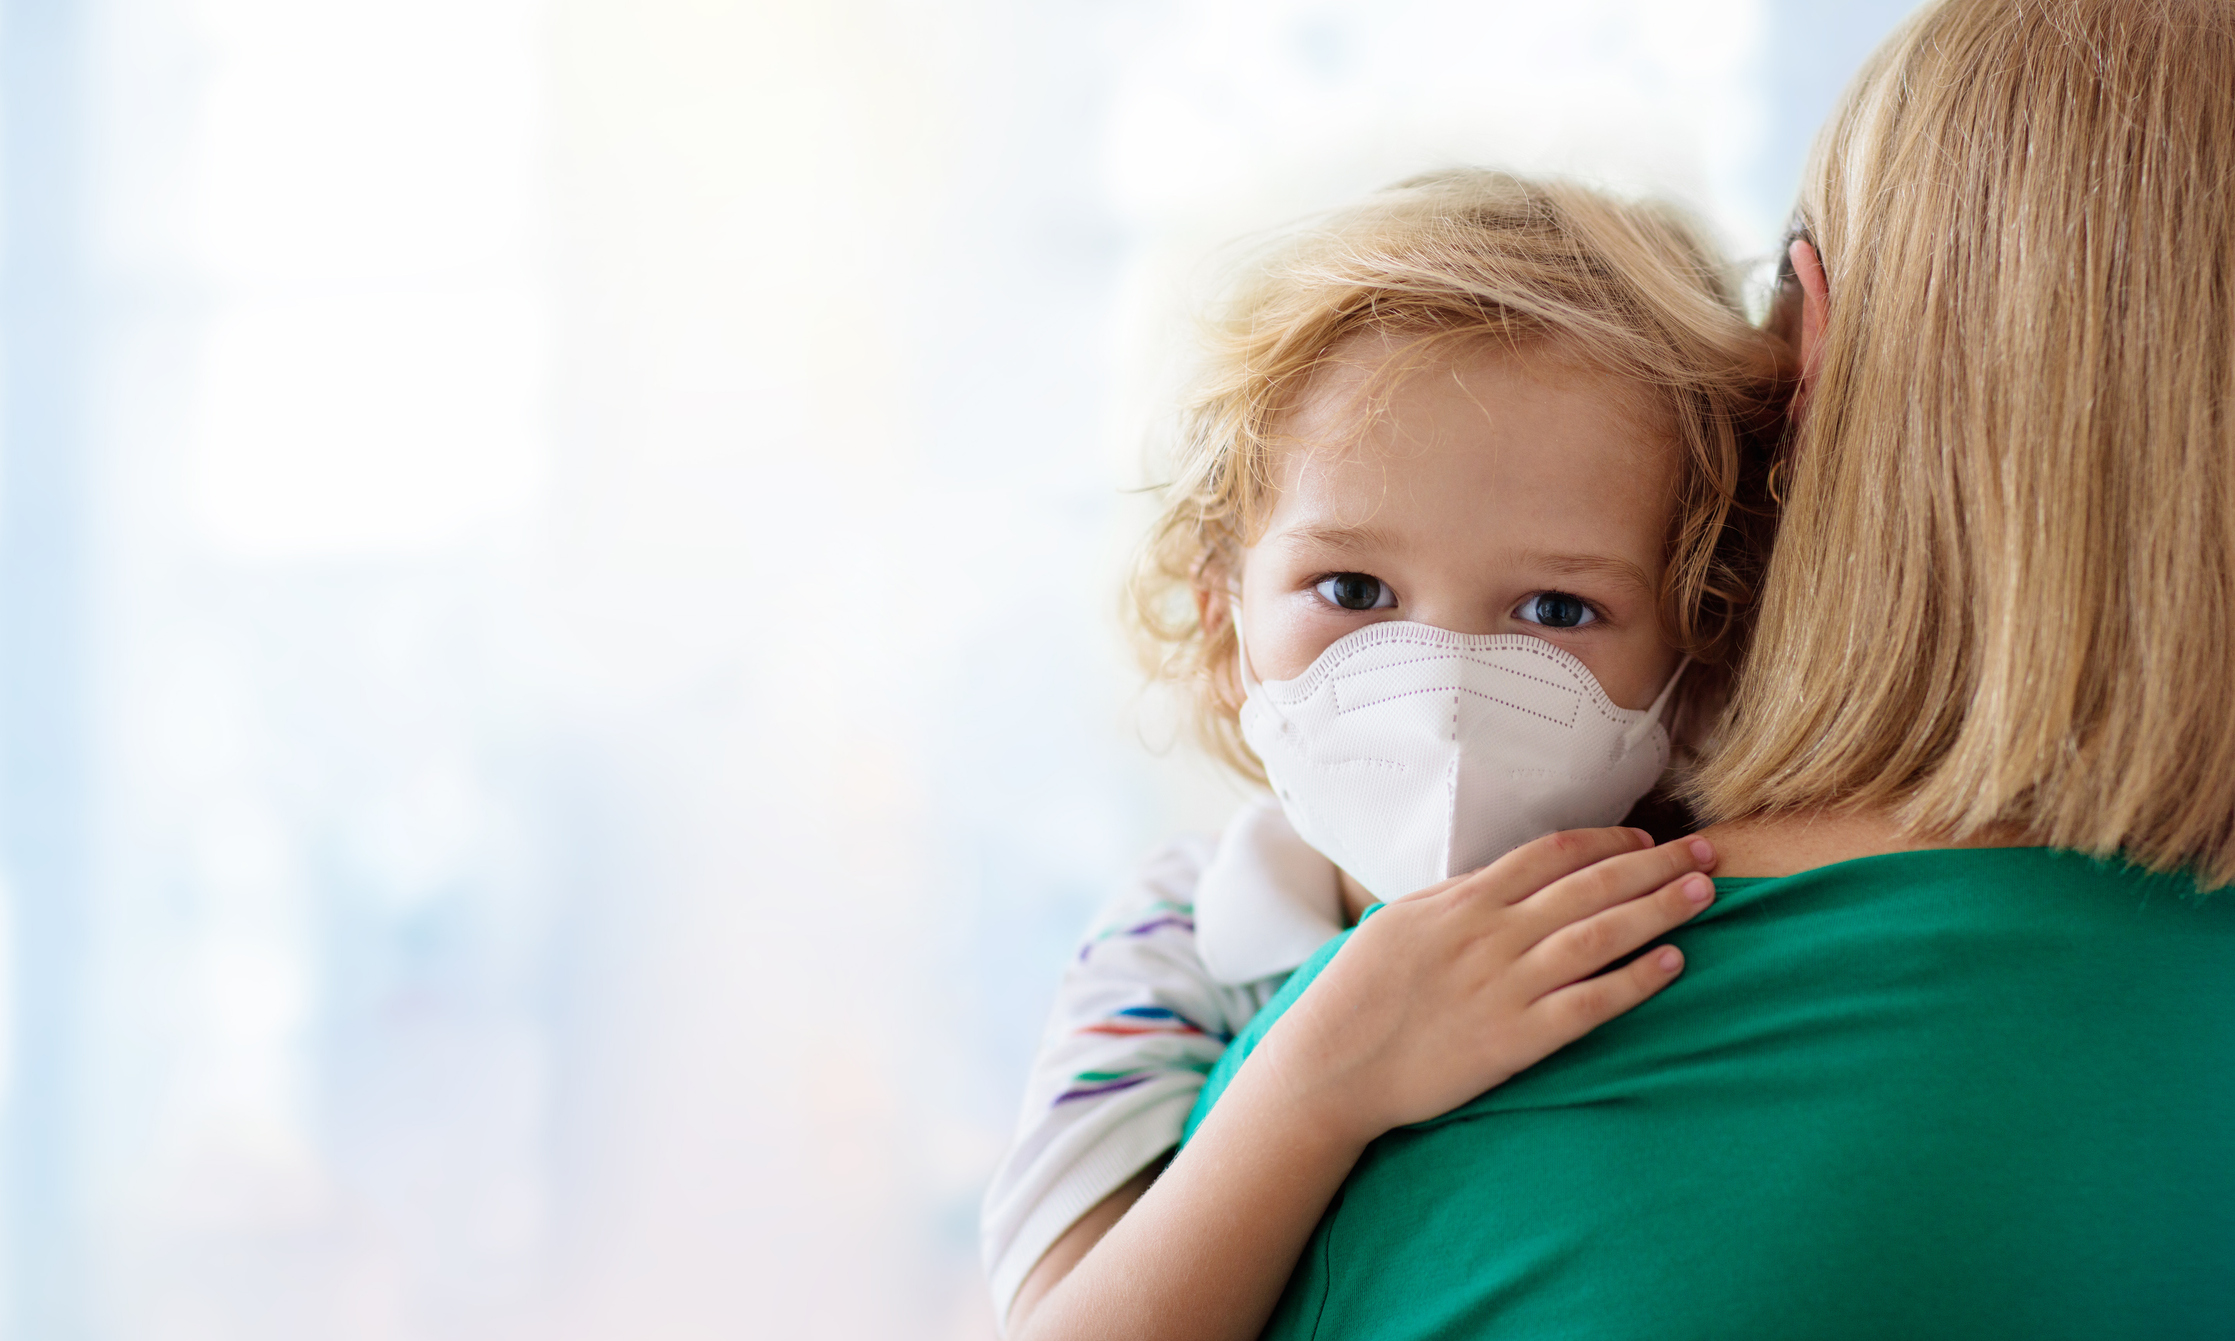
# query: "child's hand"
[[1448, 992]]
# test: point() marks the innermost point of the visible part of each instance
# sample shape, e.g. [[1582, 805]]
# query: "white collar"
[[1267, 899]]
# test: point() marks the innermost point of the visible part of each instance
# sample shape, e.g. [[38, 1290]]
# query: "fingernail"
[[1698, 888], [1703, 851], [1644, 839], [1669, 960]]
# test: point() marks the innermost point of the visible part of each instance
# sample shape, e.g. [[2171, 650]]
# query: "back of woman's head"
[[2004, 589]]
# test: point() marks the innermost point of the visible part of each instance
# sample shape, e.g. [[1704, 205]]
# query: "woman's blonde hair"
[[1445, 261], [2004, 588]]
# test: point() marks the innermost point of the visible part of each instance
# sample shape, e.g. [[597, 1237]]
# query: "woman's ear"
[[1815, 310]]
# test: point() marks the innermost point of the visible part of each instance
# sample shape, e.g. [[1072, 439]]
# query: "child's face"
[[1503, 492]]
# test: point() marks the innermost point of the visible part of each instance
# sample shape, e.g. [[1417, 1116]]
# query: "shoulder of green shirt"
[[1894, 866]]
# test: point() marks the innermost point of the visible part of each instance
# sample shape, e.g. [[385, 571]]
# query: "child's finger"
[[1581, 949], [1575, 1010], [1542, 861], [1613, 882]]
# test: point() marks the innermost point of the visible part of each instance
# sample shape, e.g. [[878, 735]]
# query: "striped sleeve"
[[1137, 1022]]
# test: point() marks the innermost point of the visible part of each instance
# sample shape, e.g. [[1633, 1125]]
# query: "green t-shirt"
[[1981, 1093]]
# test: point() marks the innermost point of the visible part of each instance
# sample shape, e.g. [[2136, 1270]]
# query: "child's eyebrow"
[[1593, 565], [1332, 535]]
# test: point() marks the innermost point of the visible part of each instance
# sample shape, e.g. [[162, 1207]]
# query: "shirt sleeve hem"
[[1128, 1149]]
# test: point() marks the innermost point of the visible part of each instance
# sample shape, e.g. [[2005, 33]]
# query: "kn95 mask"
[[1407, 754]]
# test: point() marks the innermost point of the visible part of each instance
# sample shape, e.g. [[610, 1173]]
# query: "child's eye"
[[1557, 610], [1356, 591]]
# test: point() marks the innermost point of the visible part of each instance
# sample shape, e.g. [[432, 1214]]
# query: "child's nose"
[[1457, 613]]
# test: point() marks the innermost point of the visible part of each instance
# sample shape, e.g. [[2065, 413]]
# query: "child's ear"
[[1210, 614], [1214, 596]]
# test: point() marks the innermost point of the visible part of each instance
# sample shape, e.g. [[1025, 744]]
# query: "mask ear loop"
[[1652, 715]]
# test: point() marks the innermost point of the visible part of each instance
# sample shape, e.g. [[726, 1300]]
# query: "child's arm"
[[1440, 996], [1078, 1241]]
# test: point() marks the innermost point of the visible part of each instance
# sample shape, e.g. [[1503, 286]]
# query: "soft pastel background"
[[560, 694]]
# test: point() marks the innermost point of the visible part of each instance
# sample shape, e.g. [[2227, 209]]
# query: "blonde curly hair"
[[1456, 258]]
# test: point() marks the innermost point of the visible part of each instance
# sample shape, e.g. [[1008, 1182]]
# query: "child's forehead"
[[1494, 446], [1373, 390]]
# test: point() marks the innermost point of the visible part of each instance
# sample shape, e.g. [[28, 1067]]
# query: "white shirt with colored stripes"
[[1171, 969]]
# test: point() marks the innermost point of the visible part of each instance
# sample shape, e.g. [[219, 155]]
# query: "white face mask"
[[1408, 754]]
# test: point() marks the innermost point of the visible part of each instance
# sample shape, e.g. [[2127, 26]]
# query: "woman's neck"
[[1775, 845]]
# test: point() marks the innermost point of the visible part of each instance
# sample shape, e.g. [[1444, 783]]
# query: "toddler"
[[1467, 521]]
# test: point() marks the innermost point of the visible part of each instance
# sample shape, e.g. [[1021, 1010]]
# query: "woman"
[[1954, 1052]]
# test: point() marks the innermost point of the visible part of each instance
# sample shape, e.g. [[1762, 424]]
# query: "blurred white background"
[[561, 702]]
